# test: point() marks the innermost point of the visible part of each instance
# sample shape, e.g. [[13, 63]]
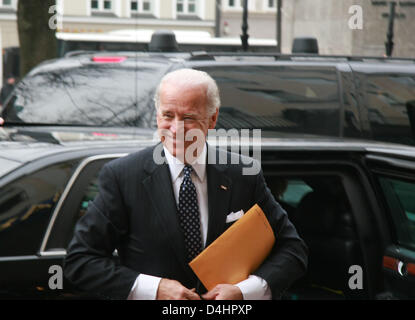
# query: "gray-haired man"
[[159, 216]]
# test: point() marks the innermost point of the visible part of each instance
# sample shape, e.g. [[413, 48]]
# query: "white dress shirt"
[[145, 286]]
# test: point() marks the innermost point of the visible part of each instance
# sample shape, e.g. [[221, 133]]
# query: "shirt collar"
[[176, 166]]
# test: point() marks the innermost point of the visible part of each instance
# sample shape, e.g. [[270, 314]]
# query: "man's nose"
[[176, 126]]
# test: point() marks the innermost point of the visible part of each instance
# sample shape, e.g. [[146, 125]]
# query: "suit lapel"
[[160, 192], [219, 195]]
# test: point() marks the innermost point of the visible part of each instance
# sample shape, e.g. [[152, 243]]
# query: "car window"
[[386, 98], [400, 198], [295, 191], [281, 98], [81, 193], [320, 210], [26, 206], [81, 207], [89, 195], [87, 95], [292, 192]]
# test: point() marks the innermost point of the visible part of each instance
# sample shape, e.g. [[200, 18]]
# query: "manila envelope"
[[239, 251]]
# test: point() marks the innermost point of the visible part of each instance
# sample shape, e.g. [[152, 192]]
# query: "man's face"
[[182, 120]]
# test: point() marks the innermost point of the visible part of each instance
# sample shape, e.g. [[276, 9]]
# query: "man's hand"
[[224, 292], [174, 290]]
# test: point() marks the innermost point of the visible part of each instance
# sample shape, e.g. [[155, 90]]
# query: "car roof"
[[398, 66], [338, 144], [84, 59], [22, 144], [204, 59]]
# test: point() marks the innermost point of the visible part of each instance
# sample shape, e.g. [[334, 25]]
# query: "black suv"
[[371, 98], [351, 201]]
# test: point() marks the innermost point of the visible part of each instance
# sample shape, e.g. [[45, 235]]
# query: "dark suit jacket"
[[135, 212]]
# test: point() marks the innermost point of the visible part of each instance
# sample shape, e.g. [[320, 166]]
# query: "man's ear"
[[213, 118]]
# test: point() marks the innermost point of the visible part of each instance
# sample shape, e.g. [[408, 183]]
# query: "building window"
[[186, 7], [269, 5], [238, 4], [141, 6], [101, 5], [107, 5], [8, 4], [146, 6], [234, 3]]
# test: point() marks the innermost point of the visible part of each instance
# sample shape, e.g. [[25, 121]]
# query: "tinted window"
[[83, 191], [104, 95], [281, 98], [291, 192], [401, 201], [294, 192], [352, 124], [386, 98], [26, 205], [319, 208]]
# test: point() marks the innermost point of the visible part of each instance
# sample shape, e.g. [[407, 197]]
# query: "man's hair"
[[192, 78]]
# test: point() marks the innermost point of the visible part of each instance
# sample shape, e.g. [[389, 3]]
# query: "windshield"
[[103, 95]]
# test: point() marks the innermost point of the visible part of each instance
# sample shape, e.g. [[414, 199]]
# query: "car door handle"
[[402, 268]]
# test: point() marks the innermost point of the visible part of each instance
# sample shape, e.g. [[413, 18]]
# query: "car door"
[[394, 179], [26, 205], [80, 190]]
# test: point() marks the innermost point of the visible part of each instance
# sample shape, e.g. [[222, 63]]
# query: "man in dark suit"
[[159, 216]]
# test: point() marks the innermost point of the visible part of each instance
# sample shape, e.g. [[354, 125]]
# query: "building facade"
[[261, 18], [108, 15], [327, 20], [350, 27]]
